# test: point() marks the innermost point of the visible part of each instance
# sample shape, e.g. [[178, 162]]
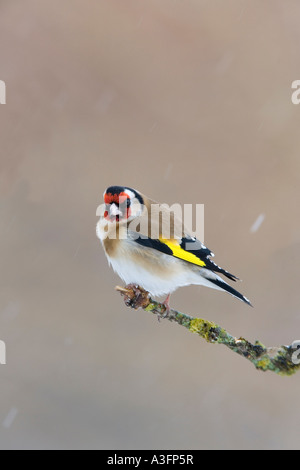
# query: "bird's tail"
[[218, 283]]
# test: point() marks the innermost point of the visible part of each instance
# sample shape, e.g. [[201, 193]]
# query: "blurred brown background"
[[187, 101]]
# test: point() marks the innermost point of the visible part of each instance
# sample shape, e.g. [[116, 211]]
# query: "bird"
[[132, 231]]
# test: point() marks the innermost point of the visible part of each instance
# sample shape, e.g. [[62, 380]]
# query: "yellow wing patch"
[[179, 252]]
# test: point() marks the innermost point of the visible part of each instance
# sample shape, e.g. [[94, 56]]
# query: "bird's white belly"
[[154, 283]]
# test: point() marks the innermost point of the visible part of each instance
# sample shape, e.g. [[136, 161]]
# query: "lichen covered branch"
[[275, 359]]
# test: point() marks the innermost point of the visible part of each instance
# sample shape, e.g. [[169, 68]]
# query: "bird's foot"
[[166, 304]]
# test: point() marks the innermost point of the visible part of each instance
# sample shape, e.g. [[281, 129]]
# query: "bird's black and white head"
[[122, 203]]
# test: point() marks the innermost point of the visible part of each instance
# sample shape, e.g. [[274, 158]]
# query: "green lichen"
[[263, 363], [204, 328], [282, 362], [182, 319], [150, 307]]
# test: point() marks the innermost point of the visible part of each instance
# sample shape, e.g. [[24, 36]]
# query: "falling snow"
[[10, 417], [257, 223]]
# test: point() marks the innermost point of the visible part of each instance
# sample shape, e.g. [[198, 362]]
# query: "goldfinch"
[[132, 235]]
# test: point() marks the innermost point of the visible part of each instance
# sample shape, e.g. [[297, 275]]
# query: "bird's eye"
[[124, 202]]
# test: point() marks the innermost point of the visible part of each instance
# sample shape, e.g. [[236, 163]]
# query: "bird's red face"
[[117, 206], [119, 202]]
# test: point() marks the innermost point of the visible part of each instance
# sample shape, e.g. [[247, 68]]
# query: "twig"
[[275, 359]]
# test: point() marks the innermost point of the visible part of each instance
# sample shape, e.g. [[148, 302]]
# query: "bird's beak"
[[114, 210]]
